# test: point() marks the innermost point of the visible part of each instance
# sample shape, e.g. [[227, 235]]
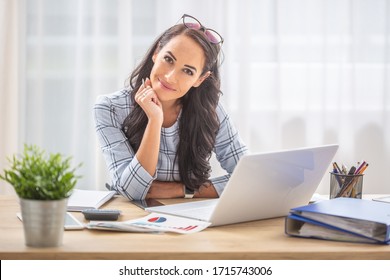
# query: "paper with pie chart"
[[153, 223]]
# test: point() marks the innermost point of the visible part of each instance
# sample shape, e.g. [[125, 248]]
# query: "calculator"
[[101, 214]]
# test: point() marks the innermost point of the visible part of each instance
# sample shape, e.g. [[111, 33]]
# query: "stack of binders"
[[341, 219]]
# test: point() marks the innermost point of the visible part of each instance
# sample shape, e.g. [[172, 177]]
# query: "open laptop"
[[262, 186]]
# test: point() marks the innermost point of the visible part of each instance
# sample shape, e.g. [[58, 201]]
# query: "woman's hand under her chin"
[[149, 102]]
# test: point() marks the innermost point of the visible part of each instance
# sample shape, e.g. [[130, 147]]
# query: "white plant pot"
[[43, 222]]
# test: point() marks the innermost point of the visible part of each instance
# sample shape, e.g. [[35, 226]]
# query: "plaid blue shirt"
[[127, 174]]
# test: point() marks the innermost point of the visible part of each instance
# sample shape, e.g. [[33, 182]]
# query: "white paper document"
[[153, 223]]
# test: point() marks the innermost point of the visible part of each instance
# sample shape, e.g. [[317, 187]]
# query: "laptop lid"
[[265, 185]]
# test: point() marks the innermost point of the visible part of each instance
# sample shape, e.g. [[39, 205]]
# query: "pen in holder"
[[343, 185]]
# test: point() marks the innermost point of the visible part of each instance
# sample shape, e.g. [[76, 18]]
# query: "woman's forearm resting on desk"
[[160, 189]]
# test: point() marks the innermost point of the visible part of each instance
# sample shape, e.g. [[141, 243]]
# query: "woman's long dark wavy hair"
[[198, 124]]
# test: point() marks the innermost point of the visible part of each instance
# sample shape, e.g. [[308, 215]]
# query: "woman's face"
[[177, 67]]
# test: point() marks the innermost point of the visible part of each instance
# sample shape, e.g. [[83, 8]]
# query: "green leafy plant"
[[38, 176]]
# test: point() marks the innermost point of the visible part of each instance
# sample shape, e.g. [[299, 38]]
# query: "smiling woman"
[[158, 134]]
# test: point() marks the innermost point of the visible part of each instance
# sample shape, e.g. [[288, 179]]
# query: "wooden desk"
[[252, 240]]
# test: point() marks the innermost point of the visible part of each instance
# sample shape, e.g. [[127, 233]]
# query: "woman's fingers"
[[144, 89], [144, 94]]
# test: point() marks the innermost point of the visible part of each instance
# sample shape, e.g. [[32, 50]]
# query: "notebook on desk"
[[262, 186]]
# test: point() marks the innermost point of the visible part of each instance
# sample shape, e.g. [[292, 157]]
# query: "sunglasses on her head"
[[192, 23]]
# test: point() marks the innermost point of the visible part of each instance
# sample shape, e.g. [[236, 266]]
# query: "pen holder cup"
[[342, 185]]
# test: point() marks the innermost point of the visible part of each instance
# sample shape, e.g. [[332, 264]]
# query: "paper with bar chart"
[[153, 223]]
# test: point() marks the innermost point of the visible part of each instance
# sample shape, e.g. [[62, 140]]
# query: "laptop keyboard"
[[201, 213], [200, 210]]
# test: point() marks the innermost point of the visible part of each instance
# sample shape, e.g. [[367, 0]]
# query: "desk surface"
[[252, 240]]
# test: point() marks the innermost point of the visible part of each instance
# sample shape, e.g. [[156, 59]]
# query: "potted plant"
[[43, 184]]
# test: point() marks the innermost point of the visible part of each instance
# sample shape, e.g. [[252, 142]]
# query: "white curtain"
[[9, 84], [296, 73]]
